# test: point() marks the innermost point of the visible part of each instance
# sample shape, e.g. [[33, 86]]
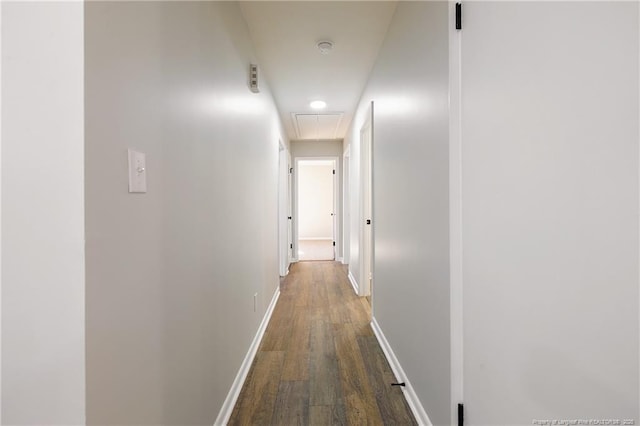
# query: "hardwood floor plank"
[[390, 399], [277, 335], [320, 415], [339, 307], [260, 390], [324, 415], [324, 381], [296, 365], [361, 405], [320, 302], [322, 339], [299, 331], [325, 386], [292, 404]]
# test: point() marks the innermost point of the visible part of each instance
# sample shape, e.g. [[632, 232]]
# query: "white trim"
[[456, 288], [290, 200], [345, 225], [366, 275], [283, 225], [1, 223], [232, 397], [315, 239], [354, 283], [339, 259], [409, 394], [639, 181]]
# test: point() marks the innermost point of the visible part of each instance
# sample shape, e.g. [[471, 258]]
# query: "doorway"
[[316, 208]]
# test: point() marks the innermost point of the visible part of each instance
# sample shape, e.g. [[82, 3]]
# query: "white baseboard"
[[339, 259], [236, 387], [354, 283], [409, 393], [286, 272]]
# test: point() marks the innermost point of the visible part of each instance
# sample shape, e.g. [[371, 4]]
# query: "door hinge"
[[460, 414], [334, 243], [290, 245], [368, 221], [290, 170], [334, 172], [458, 16], [289, 217]]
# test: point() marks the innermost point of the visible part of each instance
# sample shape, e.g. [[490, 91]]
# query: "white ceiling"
[[285, 34]]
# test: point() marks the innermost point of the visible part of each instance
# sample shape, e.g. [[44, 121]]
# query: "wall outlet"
[[255, 302]]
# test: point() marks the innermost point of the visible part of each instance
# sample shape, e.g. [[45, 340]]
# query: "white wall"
[[43, 343], [315, 201], [171, 274], [550, 211], [315, 149], [409, 87]]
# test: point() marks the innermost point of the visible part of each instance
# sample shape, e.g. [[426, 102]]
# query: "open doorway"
[[316, 211]]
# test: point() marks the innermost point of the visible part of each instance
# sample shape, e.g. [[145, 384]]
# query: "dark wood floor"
[[319, 362]]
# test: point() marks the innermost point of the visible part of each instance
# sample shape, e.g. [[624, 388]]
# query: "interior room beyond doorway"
[[316, 211]]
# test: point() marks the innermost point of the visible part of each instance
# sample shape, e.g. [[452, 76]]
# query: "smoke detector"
[[324, 46]]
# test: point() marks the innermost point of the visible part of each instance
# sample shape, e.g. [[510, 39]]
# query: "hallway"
[[319, 361], [485, 161]]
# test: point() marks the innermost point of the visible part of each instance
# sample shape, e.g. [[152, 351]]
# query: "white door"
[[366, 139], [549, 159], [283, 256], [289, 209], [334, 211]]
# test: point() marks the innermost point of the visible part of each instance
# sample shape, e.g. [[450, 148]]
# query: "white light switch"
[[137, 171]]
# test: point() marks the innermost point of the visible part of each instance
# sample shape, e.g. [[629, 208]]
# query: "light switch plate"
[[137, 171]]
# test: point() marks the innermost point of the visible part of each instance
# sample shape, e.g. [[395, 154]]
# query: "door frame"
[[284, 199], [455, 217], [290, 256], [366, 202], [296, 222], [346, 208]]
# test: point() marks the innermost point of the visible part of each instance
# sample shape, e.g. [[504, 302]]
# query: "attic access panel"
[[317, 126]]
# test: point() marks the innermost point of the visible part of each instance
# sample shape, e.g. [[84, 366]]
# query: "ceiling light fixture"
[[318, 104], [325, 46]]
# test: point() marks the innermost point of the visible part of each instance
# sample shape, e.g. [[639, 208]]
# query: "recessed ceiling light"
[[325, 46], [318, 104]]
